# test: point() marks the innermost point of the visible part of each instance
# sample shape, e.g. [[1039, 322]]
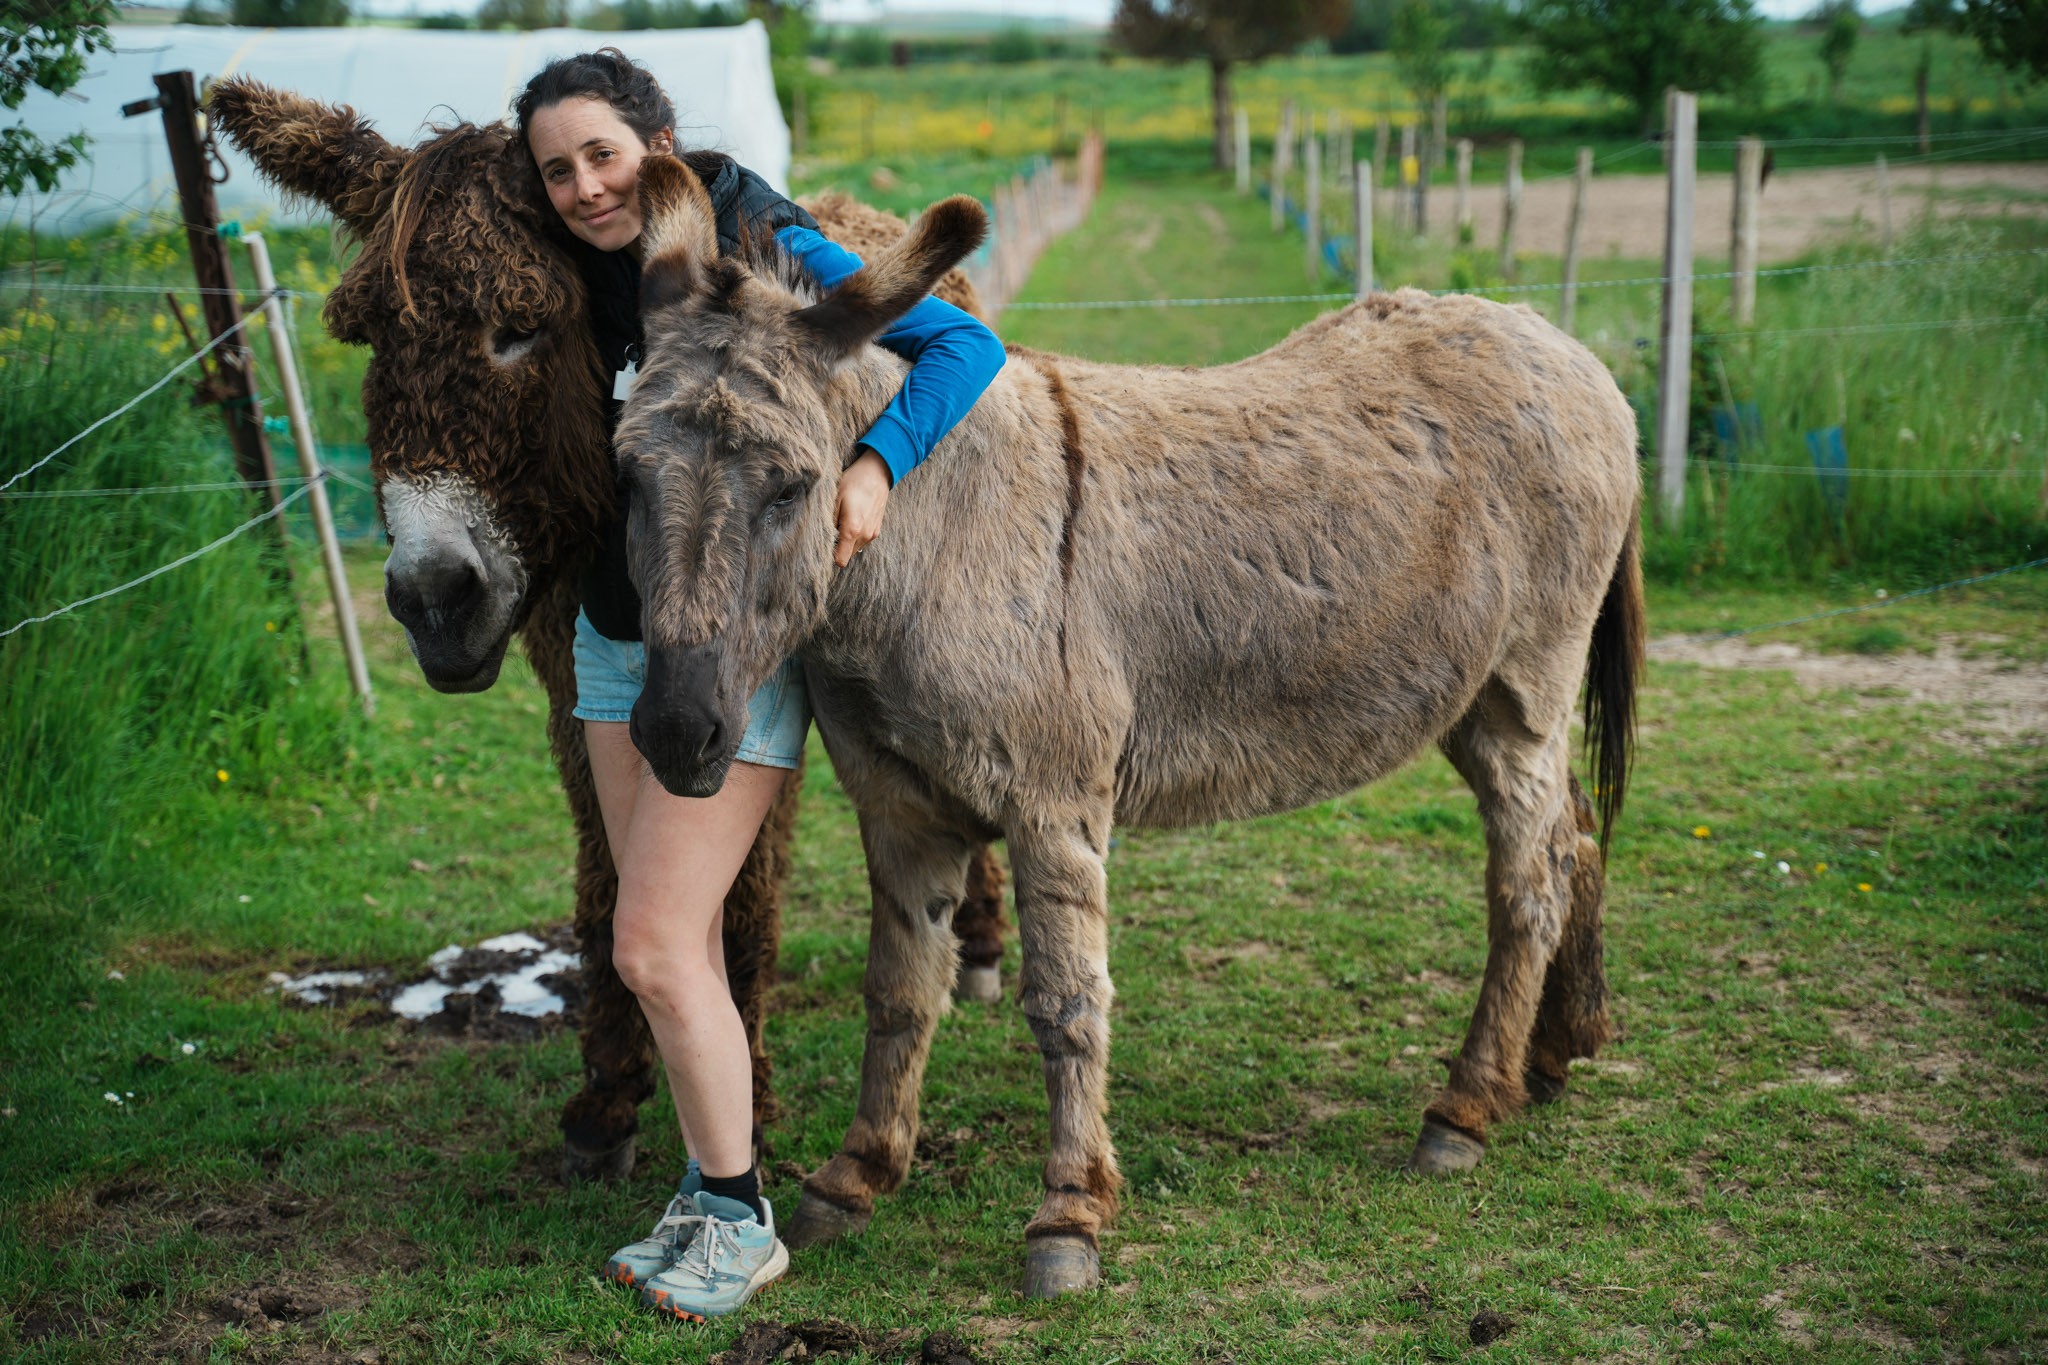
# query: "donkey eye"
[[791, 491], [512, 343]]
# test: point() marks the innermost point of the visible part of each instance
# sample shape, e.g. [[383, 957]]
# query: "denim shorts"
[[610, 674]]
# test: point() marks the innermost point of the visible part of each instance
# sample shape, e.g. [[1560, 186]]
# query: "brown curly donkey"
[[483, 398]]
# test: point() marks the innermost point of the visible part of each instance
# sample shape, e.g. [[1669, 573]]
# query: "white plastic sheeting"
[[402, 80]]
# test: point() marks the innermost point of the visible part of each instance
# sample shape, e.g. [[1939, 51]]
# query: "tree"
[[525, 15], [289, 13], [1420, 42], [2013, 33], [1841, 26], [1636, 49], [1223, 33], [43, 46]]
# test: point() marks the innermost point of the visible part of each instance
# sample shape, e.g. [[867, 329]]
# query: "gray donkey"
[[1145, 595]]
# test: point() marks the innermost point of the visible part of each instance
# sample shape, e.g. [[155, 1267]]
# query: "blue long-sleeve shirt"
[[953, 359]]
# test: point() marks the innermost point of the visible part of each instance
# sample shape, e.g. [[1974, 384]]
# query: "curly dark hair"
[[607, 74]]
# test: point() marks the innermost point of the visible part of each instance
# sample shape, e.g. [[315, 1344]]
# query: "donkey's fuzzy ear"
[[897, 280], [324, 152], [678, 232]]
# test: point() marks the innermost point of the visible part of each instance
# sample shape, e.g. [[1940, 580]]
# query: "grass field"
[[1819, 1135]]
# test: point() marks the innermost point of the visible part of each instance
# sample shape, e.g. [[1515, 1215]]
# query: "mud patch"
[[2002, 704], [828, 1338], [511, 986]]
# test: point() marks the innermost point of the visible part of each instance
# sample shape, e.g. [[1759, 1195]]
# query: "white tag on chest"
[[622, 382]]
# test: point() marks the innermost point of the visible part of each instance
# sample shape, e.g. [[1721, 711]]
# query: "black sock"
[[745, 1187]]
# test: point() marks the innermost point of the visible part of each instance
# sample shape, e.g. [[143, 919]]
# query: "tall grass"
[[192, 684], [1945, 426]]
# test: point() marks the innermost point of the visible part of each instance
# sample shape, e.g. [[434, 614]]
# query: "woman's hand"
[[863, 493]]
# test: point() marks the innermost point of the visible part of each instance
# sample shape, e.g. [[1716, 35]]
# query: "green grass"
[[980, 110], [1817, 1136]]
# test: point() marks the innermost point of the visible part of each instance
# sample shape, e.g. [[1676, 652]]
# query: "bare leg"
[[915, 873], [678, 859], [1520, 774]]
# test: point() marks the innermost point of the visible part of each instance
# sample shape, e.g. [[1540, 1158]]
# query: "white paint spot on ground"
[[516, 974]]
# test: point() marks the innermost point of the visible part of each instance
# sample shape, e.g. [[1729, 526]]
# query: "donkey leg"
[[1571, 1018], [1520, 775], [752, 933], [1062, 917], [915, 871], [979, 925], [599, 1124]]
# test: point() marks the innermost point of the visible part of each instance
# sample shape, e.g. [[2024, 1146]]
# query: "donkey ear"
[[321, 151], [897, 280], [678, 232]]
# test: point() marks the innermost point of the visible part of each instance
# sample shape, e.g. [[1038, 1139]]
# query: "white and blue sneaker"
[[635, 1263], [731, 1257]]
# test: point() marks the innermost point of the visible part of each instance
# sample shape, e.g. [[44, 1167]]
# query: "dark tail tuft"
[[1614, 665]]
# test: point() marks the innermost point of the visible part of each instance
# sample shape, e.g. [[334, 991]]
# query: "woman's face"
[[590, 161]]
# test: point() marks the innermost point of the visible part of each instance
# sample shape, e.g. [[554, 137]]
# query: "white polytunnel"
[[403, 80]]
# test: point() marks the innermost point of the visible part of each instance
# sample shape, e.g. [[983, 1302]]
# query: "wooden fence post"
[[1440, 127], [1884, 203], [1411, 167], [1749, 170], [309, 462], [1361, 227], [1462, 206], [1312, 176], [1582, 179], [1379, 146], [1283, 152], [1344, 151], [235, 389], [1242, 146], [1511, 208], [1674, 395]]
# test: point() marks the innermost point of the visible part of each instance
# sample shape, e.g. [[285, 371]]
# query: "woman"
[[589, 120]]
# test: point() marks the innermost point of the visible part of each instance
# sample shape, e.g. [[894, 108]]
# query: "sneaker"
[[638, 1262], [732, 1256]]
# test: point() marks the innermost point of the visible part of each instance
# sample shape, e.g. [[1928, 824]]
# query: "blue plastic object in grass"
[[1831, 467], [1738, 431]]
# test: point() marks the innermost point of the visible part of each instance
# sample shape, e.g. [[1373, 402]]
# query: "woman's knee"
[[658, 958]]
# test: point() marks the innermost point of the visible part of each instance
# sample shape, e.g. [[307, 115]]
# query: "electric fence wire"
[[1071, 305], [219, 486], [1710, 636], [1876, 139], [1868, 472], [158, 290], [178, 563], [173, 373]]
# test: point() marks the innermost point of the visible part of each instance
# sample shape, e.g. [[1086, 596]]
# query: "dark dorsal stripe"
[[1077, 468]]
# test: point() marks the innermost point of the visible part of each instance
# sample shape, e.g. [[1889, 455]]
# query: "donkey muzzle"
[[444, 599], [681, 726]]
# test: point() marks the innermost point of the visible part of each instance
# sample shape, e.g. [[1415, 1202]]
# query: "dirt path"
[[1998, 702], [1625, 213]]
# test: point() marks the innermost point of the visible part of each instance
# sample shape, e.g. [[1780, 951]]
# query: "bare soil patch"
[[1801, 209], [2000, 703]]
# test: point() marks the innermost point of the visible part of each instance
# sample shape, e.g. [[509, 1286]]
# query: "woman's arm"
[[953, 358]]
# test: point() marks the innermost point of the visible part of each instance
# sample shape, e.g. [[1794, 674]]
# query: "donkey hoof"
[[1543, 1089], [583, 1164], [1442, 1149], [979, 986], [818, 1220], [1061, 1263]]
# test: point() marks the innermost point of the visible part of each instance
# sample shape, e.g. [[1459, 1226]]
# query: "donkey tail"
[[1614, 665]]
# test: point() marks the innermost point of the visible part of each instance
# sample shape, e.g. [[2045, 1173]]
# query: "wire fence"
[[1891, 600], [178, 563]]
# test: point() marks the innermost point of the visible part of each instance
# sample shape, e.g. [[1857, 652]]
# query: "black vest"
[[742, 203]]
